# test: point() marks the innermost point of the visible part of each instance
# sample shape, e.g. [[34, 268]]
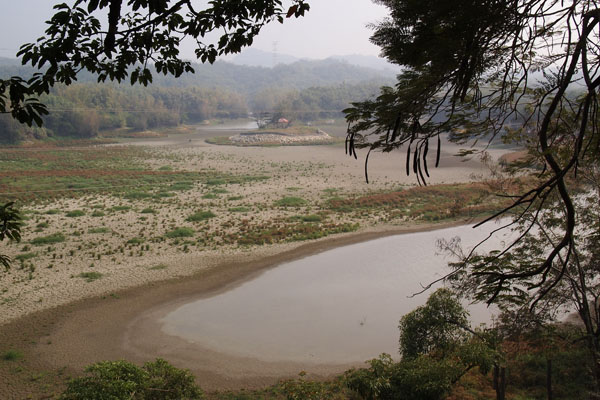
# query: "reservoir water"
[[339, 306]]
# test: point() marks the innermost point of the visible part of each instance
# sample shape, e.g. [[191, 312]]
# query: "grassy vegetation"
[[431, 203], [12, 355], [136, 240], [200, 216], [99, 230], [90, 276], [25, 256], [180, 232], [44, 173], [75, 213], [50, 239], [291, 202]]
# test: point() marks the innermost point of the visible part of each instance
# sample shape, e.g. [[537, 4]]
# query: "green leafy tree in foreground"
[[139, 36], [117, 380], [437, 347], [10, 228]]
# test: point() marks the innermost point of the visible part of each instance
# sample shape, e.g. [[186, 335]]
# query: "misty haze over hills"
[[244, 79], [258, 58]]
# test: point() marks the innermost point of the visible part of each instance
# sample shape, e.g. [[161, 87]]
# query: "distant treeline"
[[85, 110], [313, 103]]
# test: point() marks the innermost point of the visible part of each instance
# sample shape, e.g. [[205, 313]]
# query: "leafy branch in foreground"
[[139, 34], [10, 228]]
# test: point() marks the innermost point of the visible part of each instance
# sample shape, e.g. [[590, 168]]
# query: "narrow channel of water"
[[339, 306]]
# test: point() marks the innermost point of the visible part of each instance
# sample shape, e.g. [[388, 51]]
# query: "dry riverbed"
[[166, 209]]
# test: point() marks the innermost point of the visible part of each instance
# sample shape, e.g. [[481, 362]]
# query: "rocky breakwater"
[[268, 137]]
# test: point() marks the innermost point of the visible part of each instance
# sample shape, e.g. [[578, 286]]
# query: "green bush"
[[101, 229], [25, 256], [90, 276], [136, 195], [148, 211], [12, 355], [290, 202], [135, 240], [50, 239], [75, 213], [180, 232], [117, 380], [200, 216], [239, 209]]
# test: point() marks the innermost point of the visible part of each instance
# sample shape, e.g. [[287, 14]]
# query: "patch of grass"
[[90, 276], [148, 211], [50, 239], [239, 209], [162, 194], [42, 225], [158, 267], [166, 168], [98, 213], [307, 218], [181, 186], [99, 230], [216, 181], [136, 195], [121, 208], [52, 212], [232, 198], [75, 213], [292, 189], [290, 202], [200, 216], [180, 232], [135, 240], [210, 196], [12, 355], [220, 140], [25, 256], [220, 190]]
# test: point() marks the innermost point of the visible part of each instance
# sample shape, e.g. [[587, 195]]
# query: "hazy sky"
[[332, 27]]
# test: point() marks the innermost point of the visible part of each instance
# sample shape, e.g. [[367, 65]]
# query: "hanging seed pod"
[[408, 161], [439, 149], [366, 165]]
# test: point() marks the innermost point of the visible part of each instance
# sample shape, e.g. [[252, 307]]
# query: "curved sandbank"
[[126, 325]]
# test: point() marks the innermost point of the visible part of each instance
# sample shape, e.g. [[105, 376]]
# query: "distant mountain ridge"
[[245, 80], [259, 58]]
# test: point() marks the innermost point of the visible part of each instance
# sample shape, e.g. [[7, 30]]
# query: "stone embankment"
[[280, 138]]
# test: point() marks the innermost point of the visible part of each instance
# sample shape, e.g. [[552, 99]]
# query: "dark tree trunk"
[[549, 378], [500, 382]]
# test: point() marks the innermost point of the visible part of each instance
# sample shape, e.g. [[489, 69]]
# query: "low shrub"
[[200, 216], [90, 276], [12, 355], [290, 202], [50, 239], [123, 380], [180, 232]]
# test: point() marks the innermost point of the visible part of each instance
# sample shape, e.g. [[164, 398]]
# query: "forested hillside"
[[304, 91]]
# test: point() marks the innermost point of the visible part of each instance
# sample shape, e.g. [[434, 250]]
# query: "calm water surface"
[[339, 306]]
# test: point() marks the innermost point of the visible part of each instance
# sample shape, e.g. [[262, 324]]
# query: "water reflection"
[[339, 306]]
